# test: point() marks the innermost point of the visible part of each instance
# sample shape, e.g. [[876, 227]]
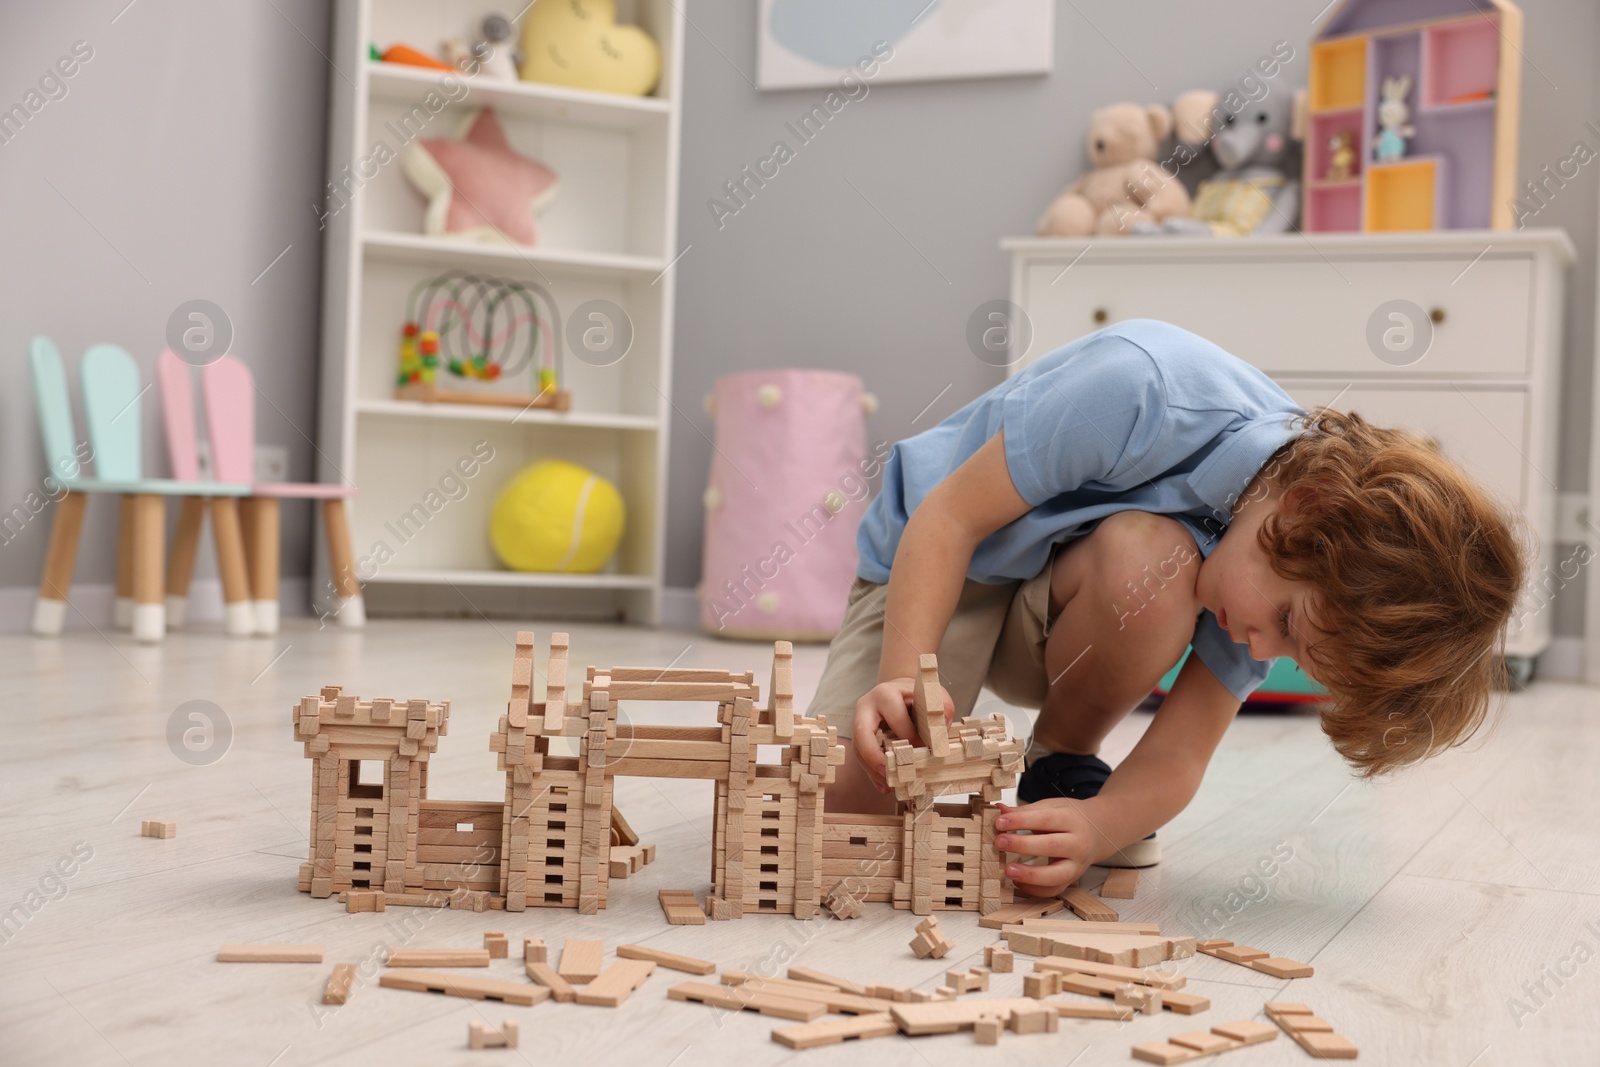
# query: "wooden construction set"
[[375, 830]]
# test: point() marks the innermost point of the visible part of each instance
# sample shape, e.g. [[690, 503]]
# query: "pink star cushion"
[[478, 187]]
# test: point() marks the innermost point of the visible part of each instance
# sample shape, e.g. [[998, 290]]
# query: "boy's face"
[[1257, 606]]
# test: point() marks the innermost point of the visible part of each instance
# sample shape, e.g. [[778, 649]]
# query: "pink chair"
[[228, 391]]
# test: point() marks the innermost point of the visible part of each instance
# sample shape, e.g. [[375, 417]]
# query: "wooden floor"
[[1446, 912]]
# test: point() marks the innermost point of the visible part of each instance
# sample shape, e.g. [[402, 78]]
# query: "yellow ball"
[[556, 516]]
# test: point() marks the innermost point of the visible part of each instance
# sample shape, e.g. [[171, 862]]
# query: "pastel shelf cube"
[[1460, 62], [1338, 74], [1404, 195]]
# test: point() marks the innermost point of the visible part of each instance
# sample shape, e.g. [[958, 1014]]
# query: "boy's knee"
[[1145, 568]]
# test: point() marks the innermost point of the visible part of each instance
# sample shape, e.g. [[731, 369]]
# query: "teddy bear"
[[1126, 185]]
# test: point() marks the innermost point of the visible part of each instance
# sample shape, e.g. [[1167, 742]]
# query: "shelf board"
[[555, 103], [1342, 183], [445, 252], [463, 576], [1460, 107], [412, 409]]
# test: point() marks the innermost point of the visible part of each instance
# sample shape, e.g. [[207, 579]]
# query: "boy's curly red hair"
[[1418, 570]]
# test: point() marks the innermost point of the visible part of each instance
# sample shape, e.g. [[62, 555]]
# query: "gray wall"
[[182, 159], [810, 274]]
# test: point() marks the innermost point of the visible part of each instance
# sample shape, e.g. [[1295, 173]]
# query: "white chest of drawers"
[[1302, 308]]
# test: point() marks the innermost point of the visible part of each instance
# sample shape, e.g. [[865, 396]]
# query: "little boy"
[[1065, 536]]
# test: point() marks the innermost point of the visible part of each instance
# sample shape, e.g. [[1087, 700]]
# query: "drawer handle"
[[1100, 315], [1437, 315]]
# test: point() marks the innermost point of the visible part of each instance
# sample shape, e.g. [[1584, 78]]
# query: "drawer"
[[1484, 430], [1298, 316]]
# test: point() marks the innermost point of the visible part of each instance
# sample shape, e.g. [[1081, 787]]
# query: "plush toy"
[[1393, 111], [1190, 150], [1254, 189], [577, 43], [1125, 185], [491, 55], [555, 516], [1341, 156], [407, 56], [499, 191]]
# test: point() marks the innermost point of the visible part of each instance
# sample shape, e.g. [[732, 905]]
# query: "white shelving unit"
[[610, 234]]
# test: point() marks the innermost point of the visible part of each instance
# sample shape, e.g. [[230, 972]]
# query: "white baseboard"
[[680, 609], [94, 603]]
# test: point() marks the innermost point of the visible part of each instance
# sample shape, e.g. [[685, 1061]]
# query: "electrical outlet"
[[272, 463]]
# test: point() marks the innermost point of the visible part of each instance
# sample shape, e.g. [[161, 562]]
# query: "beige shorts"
[[996, 638]]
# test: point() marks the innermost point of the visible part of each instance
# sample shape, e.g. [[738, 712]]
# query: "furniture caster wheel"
[[1519, 672]]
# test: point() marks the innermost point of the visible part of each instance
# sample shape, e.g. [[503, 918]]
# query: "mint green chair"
[[111, 400]]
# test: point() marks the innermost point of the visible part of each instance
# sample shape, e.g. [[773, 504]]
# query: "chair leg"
[[263, 540], [149, 552], [180, 564], [122, 609], [50, 610], [336, 527], [239, 617]]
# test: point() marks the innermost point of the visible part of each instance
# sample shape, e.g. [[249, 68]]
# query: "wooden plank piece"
[[806, 974], [670, 960], [341, 983], [461, 985], [269, 954], [1087, 906], [834, 1031], [1015, 913], [1121, 884], [580, 960], [731, 998], [1139, 975], [545, 975], [616, 983], [438, 957]]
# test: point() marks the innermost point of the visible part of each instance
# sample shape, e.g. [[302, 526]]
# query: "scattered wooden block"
[[998, 958], [438, 957], [929, 940], [269, 954], [581, 960], [681, 907], [341, 983], [360, 900], [1125, 950], [1041, 984], [156, 828], [1140, 998], [731, 998], [1172, 1000], [545, 975], [1087, 906], [1016, 913], [987, 1031], [481, 1035], [1034, 1019], [533, 948], [974, 980], [461, 985], [834, 1000], [841, 903], [616, 983], [1121, 883], [629, 859], [1311, 1033], [1195, 1044], [834, 1031], [495, 941], [715, 908], [1138, 975], [670, 960], [1080, 926], [1255, 958], [806, 974]]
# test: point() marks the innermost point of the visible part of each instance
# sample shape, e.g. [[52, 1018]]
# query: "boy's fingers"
[[1051, 844], [1040, 815], [895, 716], [1054, 876]]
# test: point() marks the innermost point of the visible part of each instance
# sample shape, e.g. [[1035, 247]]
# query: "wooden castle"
[[775, 848]]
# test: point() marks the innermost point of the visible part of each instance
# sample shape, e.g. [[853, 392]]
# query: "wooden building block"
[[581, 960], [681, 908], [1077, 926], [481, 1035], [341, 983], [1033, 1019], [1246, 1031], [358, 900], [1279, 967], [1140, 998], [495, 941], [1121, 883], [156, 828], [1313, 1034], [998, 958], [1087, 906], [671, 960], [806, 974], [1138, 975], [1204, 1042], [987, 1031], [1041, 984], [833, 1031], [1195, 1044], [534, 949], [731, 998], [929, 940], [438, 957], [269, 954], [1239, 953], [616, 983], [461, 985], [834, 1000], [542, 973]]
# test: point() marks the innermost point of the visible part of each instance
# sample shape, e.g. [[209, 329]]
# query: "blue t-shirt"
[[1140, 416]]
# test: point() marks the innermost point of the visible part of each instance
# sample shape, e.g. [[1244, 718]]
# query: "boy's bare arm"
[[1156, 781], [935, 550]]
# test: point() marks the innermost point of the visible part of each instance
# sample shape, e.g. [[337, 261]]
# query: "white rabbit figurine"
[[1393, 111]]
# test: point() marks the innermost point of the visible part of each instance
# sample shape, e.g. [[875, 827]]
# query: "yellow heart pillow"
[[578, 43]]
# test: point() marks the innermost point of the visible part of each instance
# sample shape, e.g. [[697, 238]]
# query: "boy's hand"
[[1061, 831], [887, 704]]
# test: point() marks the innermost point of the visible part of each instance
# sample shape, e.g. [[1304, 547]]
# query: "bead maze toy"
[[480, 329], [775, 848]]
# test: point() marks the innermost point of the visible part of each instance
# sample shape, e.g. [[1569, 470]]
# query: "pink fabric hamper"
[[788, 485]]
